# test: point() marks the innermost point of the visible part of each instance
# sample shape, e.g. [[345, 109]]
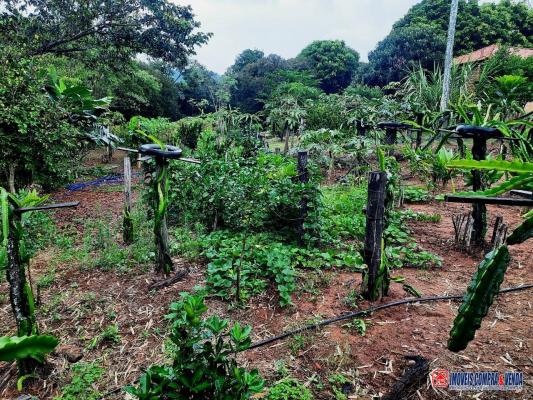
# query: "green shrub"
[[81, 386], [257, 194], [289, 389], [189, 130], [204, 365]]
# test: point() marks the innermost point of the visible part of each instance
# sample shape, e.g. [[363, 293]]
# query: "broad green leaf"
[[19, 347], [498, 165]]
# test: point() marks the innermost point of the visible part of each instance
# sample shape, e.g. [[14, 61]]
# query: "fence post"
[[375, 280], [164, 261], [127, 225], [303, 176], [479, 210], [390, 136]]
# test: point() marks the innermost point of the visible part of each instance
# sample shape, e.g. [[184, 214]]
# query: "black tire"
[[170, 152]]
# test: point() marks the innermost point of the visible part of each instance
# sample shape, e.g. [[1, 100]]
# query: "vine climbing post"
[[164, 261], [479, 210], [303, 176], [20, 292], [17, 262], [127, 225], [161, 153], [375, 279]]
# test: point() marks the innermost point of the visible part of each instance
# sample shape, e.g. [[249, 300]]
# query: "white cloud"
[[285, 27]]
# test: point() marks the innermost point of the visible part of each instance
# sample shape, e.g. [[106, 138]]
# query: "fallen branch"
[[169, 281]]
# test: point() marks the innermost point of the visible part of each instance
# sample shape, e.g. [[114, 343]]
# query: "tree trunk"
[[448, 57], [287, 135], [11, 177]]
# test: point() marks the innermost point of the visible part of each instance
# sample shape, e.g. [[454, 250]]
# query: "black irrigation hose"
[[370, 310], [348, 316]]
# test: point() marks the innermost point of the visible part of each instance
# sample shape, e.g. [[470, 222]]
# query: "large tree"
[[252, 79], [111, 30], [420, 36], [331, 62]]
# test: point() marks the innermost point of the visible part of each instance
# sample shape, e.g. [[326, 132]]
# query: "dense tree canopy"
[[110, 29], [420, 36], [331, 62], [252, 74]]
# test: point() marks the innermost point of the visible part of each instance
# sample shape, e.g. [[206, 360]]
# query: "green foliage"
[[440, 166], [331, 62], [74, 98], [110, 335], [204, 351], [500, 165], [263, 259], [20, 347], [258, 194], [39, 142], [189, 131], [420, 35], [252, 74], [97, 31], [84, 377], [523, 232], [478, 298], [288, 389], [415, 194], [359, 325]]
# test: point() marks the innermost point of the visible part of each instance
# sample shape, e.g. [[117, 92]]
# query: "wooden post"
[[20, 294], [127, 225], [376, 278], [418, 142], [138, 161], [303, 177], [461, 147], [287, 134], [479, 211], [390, 136], [164, 261]]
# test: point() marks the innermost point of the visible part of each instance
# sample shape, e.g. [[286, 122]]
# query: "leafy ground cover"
[[100, 309]]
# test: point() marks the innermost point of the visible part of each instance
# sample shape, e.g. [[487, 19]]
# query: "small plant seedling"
[[81, 386], [110, 335], [359, 325]]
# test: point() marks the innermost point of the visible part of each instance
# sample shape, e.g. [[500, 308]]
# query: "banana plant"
[[486, 281]]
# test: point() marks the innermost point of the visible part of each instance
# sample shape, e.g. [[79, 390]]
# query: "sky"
[[285, 27]]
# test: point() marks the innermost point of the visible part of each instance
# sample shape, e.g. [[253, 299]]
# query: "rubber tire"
[[171, 152]]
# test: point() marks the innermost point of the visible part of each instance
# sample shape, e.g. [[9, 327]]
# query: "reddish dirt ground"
[[85, 301]]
